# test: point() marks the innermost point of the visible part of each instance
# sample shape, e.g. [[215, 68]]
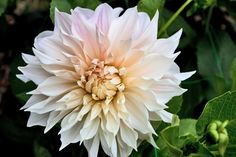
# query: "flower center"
[[102, 81]]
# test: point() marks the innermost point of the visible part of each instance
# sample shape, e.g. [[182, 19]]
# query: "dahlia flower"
[[104, 76]]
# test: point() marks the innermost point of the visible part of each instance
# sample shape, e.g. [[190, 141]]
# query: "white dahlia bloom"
[[104, 77]]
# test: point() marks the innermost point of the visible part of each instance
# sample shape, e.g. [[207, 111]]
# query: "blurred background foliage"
[[208, 45]]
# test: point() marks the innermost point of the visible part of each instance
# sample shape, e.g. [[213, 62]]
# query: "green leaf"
[[226, 52], [187, 127], [151, 6], [220, 108], [175, 104], [40, 151], [217, 52], [66, 5], [233, 74], [231, 128], [169, 142], [230, 151], [3, 5]]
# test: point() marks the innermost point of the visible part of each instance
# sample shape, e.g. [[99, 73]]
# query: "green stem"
[[155, 152], [215, 54], [209, 17], [173, 17]]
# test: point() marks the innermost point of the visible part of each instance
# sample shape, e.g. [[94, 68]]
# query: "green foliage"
[[67, 5], [3, 5], [40, 151], [218, 55], [220, 108], [200, 4], [233, 74], [151, 6]]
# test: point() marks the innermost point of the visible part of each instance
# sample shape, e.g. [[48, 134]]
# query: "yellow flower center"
[[102, 81]]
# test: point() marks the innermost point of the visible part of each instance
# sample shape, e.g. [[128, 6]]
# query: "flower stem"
[[173, 17]]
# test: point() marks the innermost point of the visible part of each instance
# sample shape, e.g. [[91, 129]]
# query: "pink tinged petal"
[[104, 15], [76, 45], [120, 34], [86, 13], [166, 89], [34, 99], [149, 33], [62, 22], [71, 135], [92, 146], [37, 119], [166, 46], [53, 47], [128, 135], [54, 118], [133, 58], [85, 31], [152, 66], [121, 28], [30, 59], [90, 129], [35, 73], [54, 86]]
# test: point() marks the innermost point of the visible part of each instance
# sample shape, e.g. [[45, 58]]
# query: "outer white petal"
[[112, 124], [92, 146], [163, 115], [30, 59], [35, 73], [34, 99], [166, 89], [148, 35], [128, 135], [166, 46], [37, 119], [138, 115], [152, 66], [90, 130], [55, 86], [54, 118], [71, 136]]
